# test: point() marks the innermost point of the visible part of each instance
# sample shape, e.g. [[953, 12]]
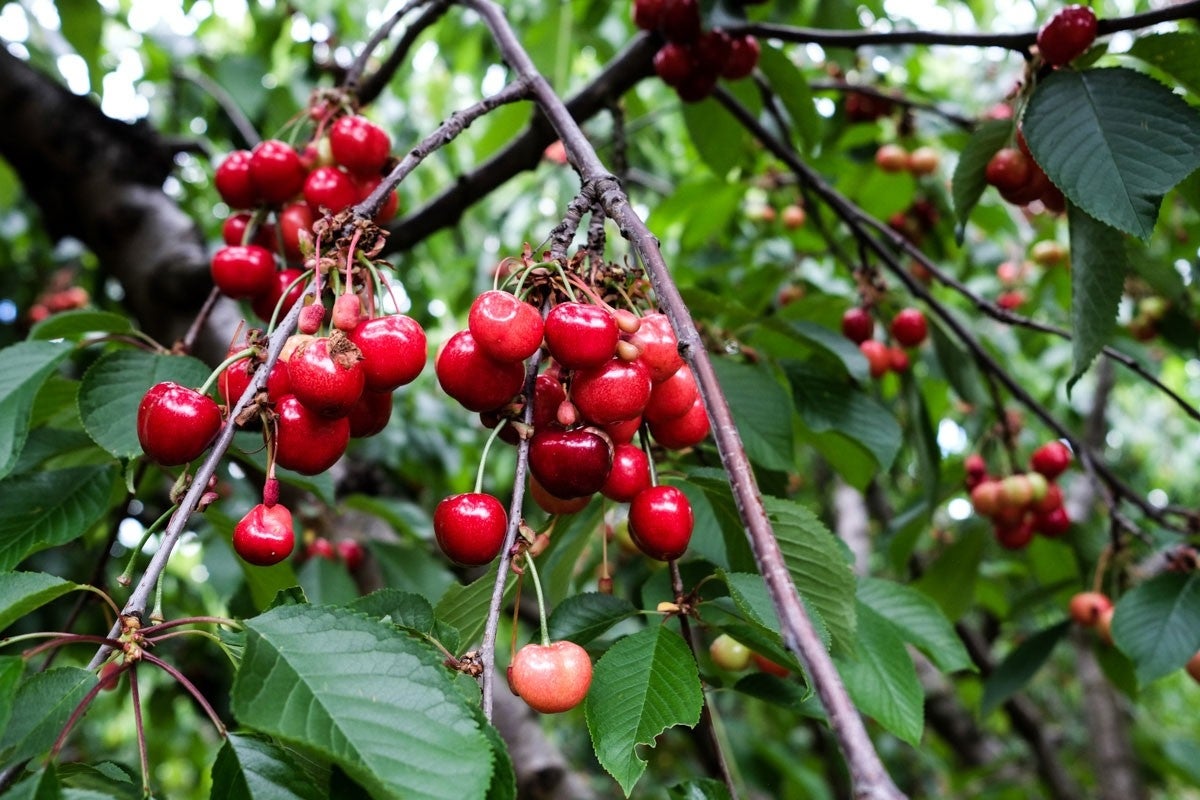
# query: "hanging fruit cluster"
[[1023, 504], [692, 60]]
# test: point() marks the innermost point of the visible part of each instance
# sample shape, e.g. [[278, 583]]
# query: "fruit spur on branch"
[[294, 236]]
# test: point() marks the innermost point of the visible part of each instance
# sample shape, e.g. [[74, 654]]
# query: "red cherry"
[[660, 522], [672, 398], [236, 377], [647, 14], [394, 350], [976, 469], [680, 20], [243, 270], [305, 441], [286, 280], [570, 464], [352, 553], [1051, 500], [1087, 608], [1054, 522], [110, 675], [768, 666], [548, 395], [233, 231], [857, 324], [276, 171], [660, 349], [1067, 35], [176, 424], [710, 53], [474, 380], [330, 189], [673, 63], [555, 505], [1013, 536], [294, 217], [321, 548], [233, 181], [505, 327], [391, 203], [878, 355], [630, 474], [1008, 170], [1051, 459], [696, 86], [551, 678], [470, 528], [986, 498], [622, 432], [898, 360], [743, 58], [611, 392], [909, 327], [370, 414], [682, 432], [580, 335], [359, 145], [264, 536], [326, 374]]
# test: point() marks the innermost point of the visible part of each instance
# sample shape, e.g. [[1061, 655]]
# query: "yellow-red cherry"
[[551, 678]]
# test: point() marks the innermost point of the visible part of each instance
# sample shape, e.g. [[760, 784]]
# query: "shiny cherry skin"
[[331, 189], [682, 432], [1067, 35], [571, 463], [265, 536], [673, 63], [234, 183], [878, 355], [505, 327], [276, 171], [647, 14], [326, 374], [611, 392], [370, 414], [551, 678], [680, 21], [176, 424], [305, 441], [394, 350], [672, 398], [630, 474], [287, 286], [857, 324], [728, 653], [470, 528], [477, 382], [236, 377], [1008, 169], [1051, 459], [1052, 523], [294, 217], [243, 270], [659, 348], [359, 145], [661, 522], [555, 505], [233, 231], [580, 335], [909, 327], [743, 58]]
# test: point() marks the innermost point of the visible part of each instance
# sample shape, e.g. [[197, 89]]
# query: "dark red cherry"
[[276, 171], [326, 374], [359, 145], [305, 441], [234, 183], [330, 189], [1051, 459], [673, 63], [243, 270], [370, 414], [680, 20], [505, 327], [611, 392], [742, 59], [857, 324], [630, 474], [1067, 35], [265, 536], [470, 528], [548, 395], [660, 522], [909, 327], [580, 335], [176, 424], [286, 280], [647, 14], [477, 382], [570, 463], [394, 350]]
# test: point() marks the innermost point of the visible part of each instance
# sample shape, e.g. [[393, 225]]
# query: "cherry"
[[326, 374], [470, 528], [909, 327], [394, 350], [286, 280], [924, 161], [688, 430], [321, 548], [264, 536], [728, 653], [857, 324], [370, 414], [570, 464], [672, 398], [1048, 253], [1051, 459], [622, 432], [647, 14], [176, 424], [611, 392], [878, 355], [236, 377], [1051, 500], [660, 349], [743, 58], [1104, 625], [276, 171], [555, 505], [710, 53], [986, 498], [1067, 35], [1008, 170], [477, 382], [330, 189], [680, 21], [660, 522], [976, 470], [305, 441], [110, 675], [1013, 536], [673, 63], [233, 231], [551, 678], [294, 217], [359, 145], [891, 157], [696, 86], [793, 216], [1087, 608], [352, 553], [505, 327], [580, 335], [898, 360], [548, 395], [630, 474], [390, 205], [768, 666], [243, 270], [233, 180], [1054, 522], [1192, 667]]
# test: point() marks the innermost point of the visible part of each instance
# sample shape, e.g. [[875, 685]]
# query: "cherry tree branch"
[[351, 79], [374, 83], [868, 775]]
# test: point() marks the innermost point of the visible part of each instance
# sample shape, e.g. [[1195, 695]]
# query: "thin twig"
[[241, 123], [374, 83], [193, 332], [139, 730], [354, 73]]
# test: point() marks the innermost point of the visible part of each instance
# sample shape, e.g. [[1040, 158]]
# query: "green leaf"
[[781, 692], [405, 609], [326, 582], [969, 179], [1016, 670], [818, 567], [23, 368], [105, 780], [81, 21], [1098, 267], [1157, 624], [42, 785], [113, 387], [75, 325], [46, 509], [791, 87], [11, 670], [749, 593], [950, 580], [465, 608], [368, 697], [250, 768], [881, 678], [699, 789], [504, 775], [828, 402], [22, 592], [761, 411], [644, 684], [918, 621], [40, 710], [1173, 52], [718, 137], [583, 617], [1114, 140]]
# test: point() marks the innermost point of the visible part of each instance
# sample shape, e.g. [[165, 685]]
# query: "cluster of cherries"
[[909, 328], [1022, 504], [61, 295], [335, 376], [692, 60], [1020, 180], [278, 192], [608, 373], [893, 157]]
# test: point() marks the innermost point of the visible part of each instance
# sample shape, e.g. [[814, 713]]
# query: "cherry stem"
[[193, 332], [350, 260], [175, 623], [224, 365], [191, 688], [140, 729], [541, 600], [58, 640], [304, 276], [644, 439], [127, 575], [189, 632], [483, 457], [103, 595], [566, 281]]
